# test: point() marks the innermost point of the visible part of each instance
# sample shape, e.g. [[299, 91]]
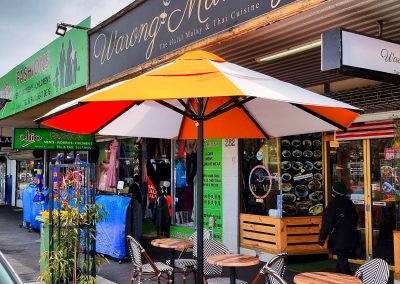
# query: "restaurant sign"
[[51, 139], [52, 71], [358, 55], [153, 28]]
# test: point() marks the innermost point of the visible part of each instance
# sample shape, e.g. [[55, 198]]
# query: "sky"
[[26, 26]]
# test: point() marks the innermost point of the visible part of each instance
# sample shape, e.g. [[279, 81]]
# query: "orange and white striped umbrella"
[[200, 95], [239, 103]]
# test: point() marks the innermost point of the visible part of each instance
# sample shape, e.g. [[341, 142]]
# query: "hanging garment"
[[151, 190], [112, 168], [191, 167], [188, 198]]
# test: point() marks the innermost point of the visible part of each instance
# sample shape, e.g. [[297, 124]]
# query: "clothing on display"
[[112, 168], [188, 198], [103, 176], [191, 167], [161, 215], [180, 174]]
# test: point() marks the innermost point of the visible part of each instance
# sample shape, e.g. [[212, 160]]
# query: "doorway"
[[367, 168]]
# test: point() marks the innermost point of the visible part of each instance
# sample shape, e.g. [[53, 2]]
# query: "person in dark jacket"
[[339, 221]]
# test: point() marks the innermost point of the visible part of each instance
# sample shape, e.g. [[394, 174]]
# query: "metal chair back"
[[375, 271], [213, 247]]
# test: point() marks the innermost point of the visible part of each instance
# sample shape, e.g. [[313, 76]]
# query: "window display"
[[185, 172], [25, 176], [260, 177], [118, 161], [301, 173]]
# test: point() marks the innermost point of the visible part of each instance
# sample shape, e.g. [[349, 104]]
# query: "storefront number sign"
[[212, 184], [153, 28], [54, 70], [50, 139]]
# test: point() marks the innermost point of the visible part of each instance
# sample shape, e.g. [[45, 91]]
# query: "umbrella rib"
[[174, 108], [320, 116], [231, 104], [228, 106], [241, 106], [115, 117], [187, 107]]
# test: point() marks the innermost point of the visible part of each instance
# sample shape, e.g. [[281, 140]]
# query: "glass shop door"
[[384, 189], [346, 164]]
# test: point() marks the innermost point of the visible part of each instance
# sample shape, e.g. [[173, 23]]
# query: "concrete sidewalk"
[[21, 248]]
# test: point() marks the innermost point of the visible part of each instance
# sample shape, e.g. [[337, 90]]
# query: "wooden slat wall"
[[259, 233], [295, 235]]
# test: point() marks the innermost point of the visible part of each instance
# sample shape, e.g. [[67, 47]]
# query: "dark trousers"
[[343, 265]]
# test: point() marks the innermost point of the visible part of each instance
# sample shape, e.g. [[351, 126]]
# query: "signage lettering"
[[379, 59], [52, 71], [29, 138], [36, 67], [152, 29], [49, 139]]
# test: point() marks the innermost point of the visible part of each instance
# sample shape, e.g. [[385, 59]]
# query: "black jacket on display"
[[340, 221]]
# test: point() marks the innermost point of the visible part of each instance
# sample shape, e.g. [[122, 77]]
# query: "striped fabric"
[[375, 271], [380, 129], [273, 275], [278, 264], [135, 250], [161, 266], [185, 266], [224, 280], [213, 247], [151, 269]]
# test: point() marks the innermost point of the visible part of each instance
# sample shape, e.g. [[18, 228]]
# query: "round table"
[[172, 244], [233, 260], [325, 278]]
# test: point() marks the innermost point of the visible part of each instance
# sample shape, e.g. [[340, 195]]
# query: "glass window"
[[185, 173], [260, 177], [301, 174], [25, 176], [347, 166], [384, 188], [123, 156]]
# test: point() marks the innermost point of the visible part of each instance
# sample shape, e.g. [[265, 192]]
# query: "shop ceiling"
[[302, 69], [305, 69]]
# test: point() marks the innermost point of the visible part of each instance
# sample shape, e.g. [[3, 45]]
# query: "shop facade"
[[275, 190], [52, 75]]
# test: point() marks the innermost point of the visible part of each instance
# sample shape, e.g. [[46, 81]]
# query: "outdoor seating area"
[[220, 265]]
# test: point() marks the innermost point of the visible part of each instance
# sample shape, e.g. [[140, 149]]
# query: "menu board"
[[301, 175]]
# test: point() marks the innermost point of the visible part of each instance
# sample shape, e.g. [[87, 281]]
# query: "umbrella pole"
[[199, 205]]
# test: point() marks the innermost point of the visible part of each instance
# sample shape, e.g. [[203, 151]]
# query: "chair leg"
[[195, 276]]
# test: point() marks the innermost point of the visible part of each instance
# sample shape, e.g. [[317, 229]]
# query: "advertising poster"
[[212, 178], [301, 174], [54, 70]]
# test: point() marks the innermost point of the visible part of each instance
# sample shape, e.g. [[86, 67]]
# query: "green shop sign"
[[212, 184], [56, 69], [50, 139]]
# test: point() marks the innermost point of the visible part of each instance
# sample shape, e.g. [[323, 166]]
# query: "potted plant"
[[71, 256]]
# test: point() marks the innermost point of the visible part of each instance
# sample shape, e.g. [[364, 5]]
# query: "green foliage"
[[73, 228]]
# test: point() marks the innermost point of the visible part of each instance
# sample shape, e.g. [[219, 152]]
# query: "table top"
[[325, 278], [233, 260], [172, 243]]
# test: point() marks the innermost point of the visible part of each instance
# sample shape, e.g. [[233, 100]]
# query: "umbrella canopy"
[[200, 95], [259, 105]]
